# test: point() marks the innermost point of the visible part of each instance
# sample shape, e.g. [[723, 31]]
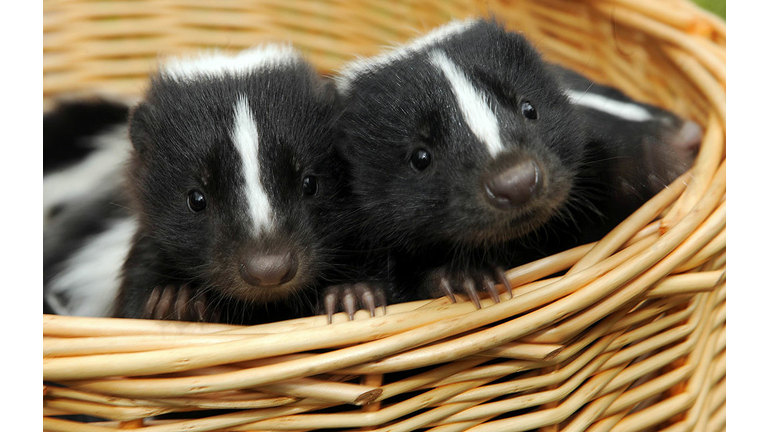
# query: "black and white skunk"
[[236, 193], [634, 149], [469, 156], [237, 188], [87, 227]]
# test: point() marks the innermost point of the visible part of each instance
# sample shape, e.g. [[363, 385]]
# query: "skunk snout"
[[514, 186], [687, 141], [270, 269]]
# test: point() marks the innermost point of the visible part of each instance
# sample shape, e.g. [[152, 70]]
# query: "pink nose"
[[687, 141], [515, 186], [268, 270]]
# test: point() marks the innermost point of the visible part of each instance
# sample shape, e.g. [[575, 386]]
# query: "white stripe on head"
[[621, 109], [358, 67], [215, 63], [473, 104], [88, 283], [245, 136]]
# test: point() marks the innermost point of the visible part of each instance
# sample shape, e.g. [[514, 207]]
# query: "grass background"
[[716, 6]]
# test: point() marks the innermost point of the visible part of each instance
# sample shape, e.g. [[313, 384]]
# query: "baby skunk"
[[87, 227], [236, 186], [468, 157], [635, 149]]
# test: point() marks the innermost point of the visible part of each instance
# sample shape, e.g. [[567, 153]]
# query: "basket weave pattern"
[[631, 337]]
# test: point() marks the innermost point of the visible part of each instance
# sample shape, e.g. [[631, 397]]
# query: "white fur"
[[245, 136], [363, 65], [473, 104], [94, 173], [625, 110], [90, 278], [215, 63]]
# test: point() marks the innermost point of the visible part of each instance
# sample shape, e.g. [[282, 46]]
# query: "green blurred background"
[[716, 6]]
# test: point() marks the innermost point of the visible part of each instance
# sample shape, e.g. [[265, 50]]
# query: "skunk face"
[[634, 149], [461, 136], [234, 171]]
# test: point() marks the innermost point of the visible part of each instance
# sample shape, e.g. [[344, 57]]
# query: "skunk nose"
[[268, 269], [687, 141], [515, 186]]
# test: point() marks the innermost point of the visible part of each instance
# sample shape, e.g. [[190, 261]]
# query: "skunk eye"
[[420, 159], [529, 111], [309, 185], [196, 201]]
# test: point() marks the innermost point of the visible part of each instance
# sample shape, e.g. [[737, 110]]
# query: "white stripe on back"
[[245, 136], [215, 63], [94, 173], [625, 110], [473, 104], [90, 278]]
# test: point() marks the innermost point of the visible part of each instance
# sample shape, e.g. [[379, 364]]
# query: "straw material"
[[631, 337]]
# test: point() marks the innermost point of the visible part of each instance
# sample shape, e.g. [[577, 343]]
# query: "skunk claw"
[[177, 304], [470, 280], [361, 295], [501, 277], [490, 287]]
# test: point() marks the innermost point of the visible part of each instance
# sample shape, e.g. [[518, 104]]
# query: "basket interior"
[[632, 337]]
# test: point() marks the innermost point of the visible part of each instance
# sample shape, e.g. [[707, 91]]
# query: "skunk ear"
[[140, 127]]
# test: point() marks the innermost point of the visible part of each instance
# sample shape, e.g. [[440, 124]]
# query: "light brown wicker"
[[632, 337]]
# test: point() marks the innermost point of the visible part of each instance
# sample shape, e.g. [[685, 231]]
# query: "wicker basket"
[[632, 337]]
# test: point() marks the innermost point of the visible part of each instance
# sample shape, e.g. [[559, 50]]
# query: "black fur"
[[437, 224], [70, 132], [408, 104], [73, 228], [181, 134], [628, 162], [67, 128]]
